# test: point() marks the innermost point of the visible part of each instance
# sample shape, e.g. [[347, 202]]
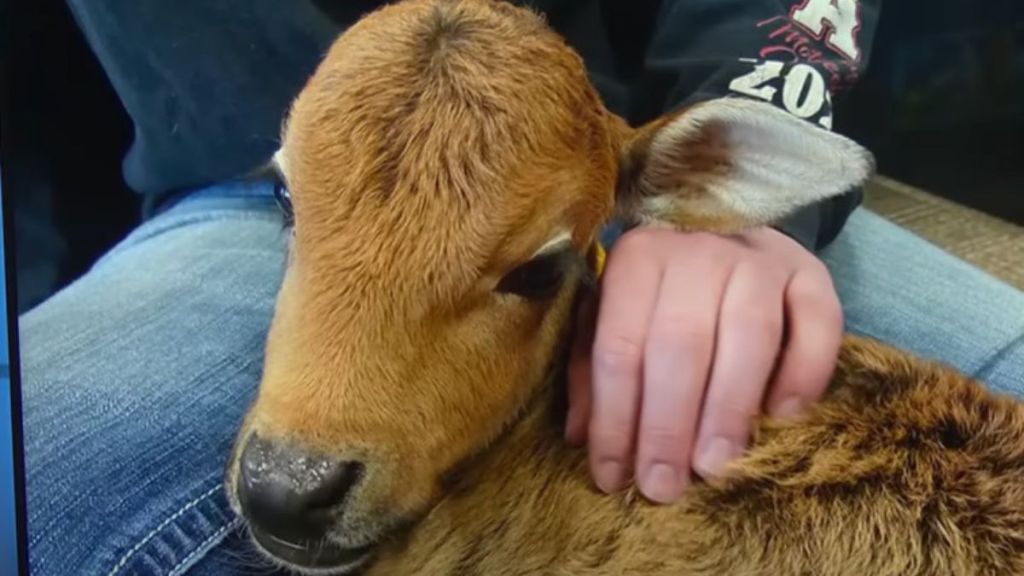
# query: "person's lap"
[[134, 380], [136, 376], [902, 290]]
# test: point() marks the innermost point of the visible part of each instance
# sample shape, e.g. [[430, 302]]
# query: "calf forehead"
[[453, 135]]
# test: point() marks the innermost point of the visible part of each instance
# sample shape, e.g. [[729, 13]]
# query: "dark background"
[[942, 107]]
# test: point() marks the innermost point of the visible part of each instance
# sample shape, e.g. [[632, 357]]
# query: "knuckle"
[[611, 439], [802, 300], [734, 412], [806, 372], [679, 330], [801, 291], [818, 297], [617, 354], [712, 247], [819, 268], [811, 284], [703, 238], [643, 240], [672, 344], [759, 322], [663, 442]]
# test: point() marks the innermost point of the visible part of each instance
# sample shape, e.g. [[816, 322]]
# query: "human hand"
[[695, 333]]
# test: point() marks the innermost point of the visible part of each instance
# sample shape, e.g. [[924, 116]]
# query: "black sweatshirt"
[[206, 83]]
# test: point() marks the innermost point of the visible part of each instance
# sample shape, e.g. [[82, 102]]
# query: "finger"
[[814, 325], [678, 355], [749, 335], [629, 292], [579, 372]]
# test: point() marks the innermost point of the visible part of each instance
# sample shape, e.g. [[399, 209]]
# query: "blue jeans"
[[136, 376]]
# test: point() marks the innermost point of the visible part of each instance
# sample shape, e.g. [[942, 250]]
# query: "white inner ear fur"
[[777, 162]]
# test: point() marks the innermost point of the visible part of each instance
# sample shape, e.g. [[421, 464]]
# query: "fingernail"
[[712, 461], [661, 484], [790, 407], [609, 476]]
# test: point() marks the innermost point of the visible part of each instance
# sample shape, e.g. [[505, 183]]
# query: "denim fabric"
[[205, 84], [902, 290], [135, 379], [136, 376]]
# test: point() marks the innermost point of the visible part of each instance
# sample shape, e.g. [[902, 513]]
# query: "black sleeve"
[[796, 54]]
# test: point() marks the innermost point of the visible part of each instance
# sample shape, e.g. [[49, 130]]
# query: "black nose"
[[291, 494]]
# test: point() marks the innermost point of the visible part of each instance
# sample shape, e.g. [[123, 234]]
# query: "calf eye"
[[284, 201], [538, 279]]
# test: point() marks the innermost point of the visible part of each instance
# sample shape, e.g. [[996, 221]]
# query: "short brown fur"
[[440, 144]]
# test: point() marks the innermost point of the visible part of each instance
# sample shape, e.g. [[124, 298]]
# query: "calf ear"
[[729, 164]]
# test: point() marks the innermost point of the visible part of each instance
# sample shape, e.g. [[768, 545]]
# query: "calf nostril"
[[289, 493], [330, 484]]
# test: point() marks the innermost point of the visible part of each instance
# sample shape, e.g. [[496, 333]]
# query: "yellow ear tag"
[[599, 258]]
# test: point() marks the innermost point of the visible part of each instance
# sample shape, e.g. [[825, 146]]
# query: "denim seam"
[[143, 234], [138, 546], [180, 567], [186, 219], [985, 370]]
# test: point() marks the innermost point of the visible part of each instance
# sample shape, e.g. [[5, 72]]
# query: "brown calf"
[[450, 166]]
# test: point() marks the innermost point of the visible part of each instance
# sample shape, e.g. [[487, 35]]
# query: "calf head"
[[449, 166]]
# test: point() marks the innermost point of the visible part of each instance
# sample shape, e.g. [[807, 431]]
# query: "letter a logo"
[[839, 17]]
